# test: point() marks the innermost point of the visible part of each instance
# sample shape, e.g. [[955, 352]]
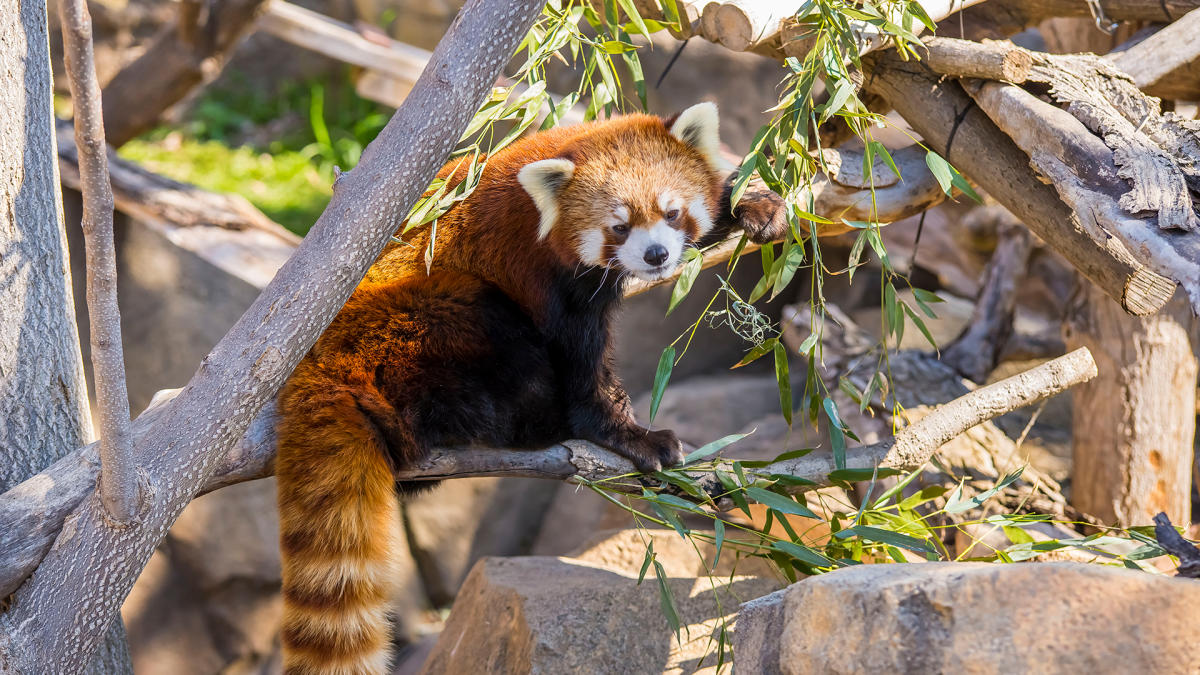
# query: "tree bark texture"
[[118, 482], [1134, 425], [53, 623], [942, 113], [43, 394]]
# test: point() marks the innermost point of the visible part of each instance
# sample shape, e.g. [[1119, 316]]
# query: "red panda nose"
[[656, 255]]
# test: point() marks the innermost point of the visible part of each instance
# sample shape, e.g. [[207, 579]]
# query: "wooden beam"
[[940, 110], [1167, 63]]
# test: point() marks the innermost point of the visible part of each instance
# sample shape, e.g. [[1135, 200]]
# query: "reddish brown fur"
[[347, 413]]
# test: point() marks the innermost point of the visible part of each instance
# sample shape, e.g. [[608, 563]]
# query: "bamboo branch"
[[118, 477], [91, 572]]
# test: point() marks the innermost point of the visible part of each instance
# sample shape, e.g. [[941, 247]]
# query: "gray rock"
[[556, 615], [974, 618]]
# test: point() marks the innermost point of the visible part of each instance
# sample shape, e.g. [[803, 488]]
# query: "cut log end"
[[1146, 292]]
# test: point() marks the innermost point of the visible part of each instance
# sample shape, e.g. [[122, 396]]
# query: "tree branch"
[[32, 513], [976, 351], [172, 65], [118, 478], [90, 572], [1166, 64]]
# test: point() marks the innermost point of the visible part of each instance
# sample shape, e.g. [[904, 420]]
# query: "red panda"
[[503, 341]]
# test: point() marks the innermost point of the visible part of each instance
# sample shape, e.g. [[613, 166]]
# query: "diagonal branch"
[[91, 572], [32, 514], [118, 482]]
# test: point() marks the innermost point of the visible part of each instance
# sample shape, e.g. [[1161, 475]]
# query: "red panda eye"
[[620, 228], [673, 214]]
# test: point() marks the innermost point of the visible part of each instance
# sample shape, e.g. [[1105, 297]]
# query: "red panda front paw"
[[760, 213], [651, 450]]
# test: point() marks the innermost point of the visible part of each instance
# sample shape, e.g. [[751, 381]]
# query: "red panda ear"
[[544, 181], [698, 127]]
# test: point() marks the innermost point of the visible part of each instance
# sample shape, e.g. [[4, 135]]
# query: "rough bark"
[[1135, 203], [171, 66], [43, 395], [94, 563], [118, 481], [941, 110], [1002, 18], [1166, 64], [1133, 425]]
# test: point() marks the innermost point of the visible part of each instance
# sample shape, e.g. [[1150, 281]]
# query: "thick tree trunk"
[[43, 395], [1134, 424]]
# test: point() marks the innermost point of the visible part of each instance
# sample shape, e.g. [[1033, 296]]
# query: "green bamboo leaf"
[[837, 433], [757, 352], [957, 505], [718, 540], [780, 503], [687, 277], [940, 169], [713, 447], [783, 380], [802, 553], [889, 537], [665, 363], [666, 600]]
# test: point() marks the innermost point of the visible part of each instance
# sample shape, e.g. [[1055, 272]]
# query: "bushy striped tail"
[[340, 531]]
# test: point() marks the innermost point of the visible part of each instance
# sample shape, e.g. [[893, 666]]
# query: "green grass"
[[277, 148], [287, 185]]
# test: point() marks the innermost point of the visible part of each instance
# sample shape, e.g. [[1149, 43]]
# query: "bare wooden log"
[[976, 351], [1133, 426], [743, 25], [941, 110], [1082, 170], [118, 479], [991, 60], [1002, 18], [171, 67], [398, 63], [90, 573], [148, 196], [1167, 63]]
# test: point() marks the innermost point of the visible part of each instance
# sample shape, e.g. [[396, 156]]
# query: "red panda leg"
[[339, 529]]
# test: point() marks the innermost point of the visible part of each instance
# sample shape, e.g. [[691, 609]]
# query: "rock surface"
[[974, 618], [559, 615]]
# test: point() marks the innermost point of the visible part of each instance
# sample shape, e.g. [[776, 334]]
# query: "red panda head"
[[631, 193]]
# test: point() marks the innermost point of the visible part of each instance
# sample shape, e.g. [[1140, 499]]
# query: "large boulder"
[[562, 615], [976, 618]]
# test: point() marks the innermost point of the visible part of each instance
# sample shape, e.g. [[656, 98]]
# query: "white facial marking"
[[698, 209], [591, 247], [668, 200], [620, 215], [632, 253]]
